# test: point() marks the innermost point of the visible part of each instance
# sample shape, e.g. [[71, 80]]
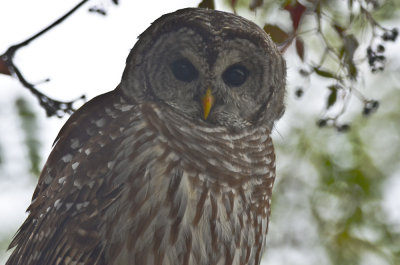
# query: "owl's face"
[[209, 69]]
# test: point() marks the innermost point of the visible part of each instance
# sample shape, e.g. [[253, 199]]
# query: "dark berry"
[[322, 123], [343, 128], [299, 92]]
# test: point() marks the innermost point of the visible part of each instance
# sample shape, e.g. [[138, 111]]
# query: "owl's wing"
[[65, 212]]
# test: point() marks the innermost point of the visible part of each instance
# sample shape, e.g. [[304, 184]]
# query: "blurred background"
[[336, 198]]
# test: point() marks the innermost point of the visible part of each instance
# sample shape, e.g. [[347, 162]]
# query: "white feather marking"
[[61, 180], [67, 158], [231, 167], [81, 205], [68, 205], [245, 158], [101, 122], [74, 143], [212, 161], [87, 151], [75, 165], [111, 164], [77, 184], [91, 184], [126, 108], [57, 204], [48, 179], [123, 108], [262, 170], [263, 138]]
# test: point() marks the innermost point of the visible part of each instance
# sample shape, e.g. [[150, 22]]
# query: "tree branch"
[[52, 106]]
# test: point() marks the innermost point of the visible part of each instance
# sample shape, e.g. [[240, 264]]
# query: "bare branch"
[[52, 106]]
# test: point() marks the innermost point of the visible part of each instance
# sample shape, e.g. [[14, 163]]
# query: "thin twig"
[[52, 106], [55, 23]]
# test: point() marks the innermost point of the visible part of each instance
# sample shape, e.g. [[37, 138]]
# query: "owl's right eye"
[[235, 75], [184, 70]]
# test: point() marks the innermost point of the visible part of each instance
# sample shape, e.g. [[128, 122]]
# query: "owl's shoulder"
[[69, 183]]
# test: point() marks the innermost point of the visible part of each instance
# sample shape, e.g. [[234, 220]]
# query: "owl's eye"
[[235, 75], [184, 70]]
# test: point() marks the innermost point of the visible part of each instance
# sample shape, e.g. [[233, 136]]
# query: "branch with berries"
[[335, 30]]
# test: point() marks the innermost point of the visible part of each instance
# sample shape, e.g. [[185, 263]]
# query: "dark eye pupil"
[[184, 70], [235, 75]]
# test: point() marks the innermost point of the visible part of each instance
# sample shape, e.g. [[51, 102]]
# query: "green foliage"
[[207, 4], [29, 127], [339, 181], [276, 33]]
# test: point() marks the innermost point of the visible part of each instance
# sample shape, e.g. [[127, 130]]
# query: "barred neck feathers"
[[233, 157]]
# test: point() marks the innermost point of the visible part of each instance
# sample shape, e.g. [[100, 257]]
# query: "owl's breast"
[[190, 196]]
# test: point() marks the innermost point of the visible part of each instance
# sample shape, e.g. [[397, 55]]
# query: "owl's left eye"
[[184, 70], [235, 75]]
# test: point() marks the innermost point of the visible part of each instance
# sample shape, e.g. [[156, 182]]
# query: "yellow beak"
[[207, 101]]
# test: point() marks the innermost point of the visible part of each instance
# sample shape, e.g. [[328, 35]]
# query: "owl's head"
[[211, 67]]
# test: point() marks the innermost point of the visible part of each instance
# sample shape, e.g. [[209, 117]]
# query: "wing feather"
[[73, 190]]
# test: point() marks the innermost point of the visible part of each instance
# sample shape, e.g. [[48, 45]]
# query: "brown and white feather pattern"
[[137, 176], [141, 190]]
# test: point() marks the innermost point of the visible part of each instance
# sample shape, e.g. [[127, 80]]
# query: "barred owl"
[[176, 165]]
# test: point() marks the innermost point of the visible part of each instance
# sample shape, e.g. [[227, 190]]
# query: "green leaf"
[[350, 46], [332, 96], [255, 4], [352, 68], [277, 34], [341, 52], [350, 4], [324, 73], [207, 4], [339, 29], [29, 127], [300, 47]]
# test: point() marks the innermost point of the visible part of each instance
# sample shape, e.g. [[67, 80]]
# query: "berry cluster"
[[370, 106], [333, 122], [376, 59], [390, 35]]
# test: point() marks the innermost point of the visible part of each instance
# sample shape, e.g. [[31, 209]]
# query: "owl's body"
[[141, 175]]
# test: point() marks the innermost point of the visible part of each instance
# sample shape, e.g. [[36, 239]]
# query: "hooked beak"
[[207, 102]]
